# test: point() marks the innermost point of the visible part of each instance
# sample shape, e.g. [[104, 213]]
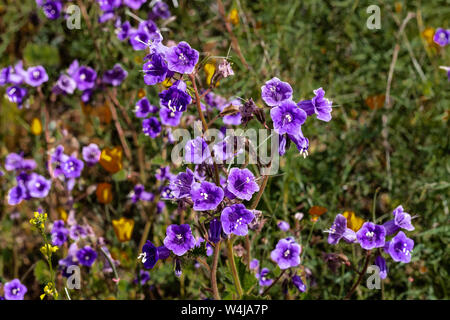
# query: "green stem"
[[308, 240], [233, 269], [214, 271]]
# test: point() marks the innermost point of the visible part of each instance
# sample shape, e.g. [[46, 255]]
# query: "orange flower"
[[316, 212], [111, 159], [353, 222], [104, 193], [375, 102], [103, 113], [428, 35], [141, 93], [123, 228]]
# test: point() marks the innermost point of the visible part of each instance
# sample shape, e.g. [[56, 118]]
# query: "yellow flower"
[[111, 159], [49, 290], [428, 35], [210, 69], [123, 228], [141, 93], [234, 17], [36, 126], [167, 83], [48, 249], [353, 222], [39, 221], [104, 193]]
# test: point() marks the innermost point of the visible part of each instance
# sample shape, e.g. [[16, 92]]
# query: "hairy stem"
[[214, 271], [366, 264], [233, 269], [273, 283]]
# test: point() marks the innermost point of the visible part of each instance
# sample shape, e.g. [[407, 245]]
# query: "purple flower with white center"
[[262, 277], [144, 108], [115, 76], [140, 40], [298, 283], [287, 118], [148, 26], [206, 196], [151, 254], [16, 94], [182, 58], [169, 117], [52, 9], [72, 167], [161, 10], [300, 142], [109, 5], [215, 230], [163, 173], [14, 290], [91, 154], [85, 78], [151, 127], [242, 183], [77, 232], [58, 158], [13, 161], [275, 91], [175, 98], [197, 151], [86, 256], [442, 37], [317, 105], [283, 225], [155, 70], [286, 253], [59, 236], [400, 248], [134, 4], [371, 236], [167, 193], [340, 231], [36, 76], [209, 250], [38, 186], [65, 84], [139, 193], [122, 30], [235, 219], [144, 276], [182, 184], [381, 264], [402, 220], [254, 264], [179, 239]]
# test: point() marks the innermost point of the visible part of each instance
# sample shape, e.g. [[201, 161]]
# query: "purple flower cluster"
[[70, 167], [52, 9], [59, 233]]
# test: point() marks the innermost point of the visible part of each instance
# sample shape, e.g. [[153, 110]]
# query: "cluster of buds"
[[39, 221], [49, 290]]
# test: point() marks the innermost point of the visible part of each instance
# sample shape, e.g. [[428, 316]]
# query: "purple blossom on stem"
[[91, 154], [179, 239], [235, 219], [215, 230], [275, 91], [65, 84], [181, 185], [197, 151], [122, 29], [72, 167], [139, 194], [283, 225], [262, 277], [442, 37], [86, 256], [242, 183], [144, 108], [169, 117], [206, 196], [85, 78], [381, 263], [14, 290], [182, 58], [340, 231], [317, 105], [286, 253], [151, 254], [400, 248], [36, 76], [254, 264], [402, 220], [38, 186], [134, 4], [155, 70], [151, 127], [175, 98], [16, 94], [298, 283], [287, 118], [371, 236], [161, 10], [115, 76], [52, 9]]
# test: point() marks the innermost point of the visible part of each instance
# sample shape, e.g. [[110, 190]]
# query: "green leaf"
[[120, 176], [41, 272]]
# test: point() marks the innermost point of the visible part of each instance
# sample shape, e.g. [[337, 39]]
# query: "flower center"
[[204, 195], [36, 74], [179, 236], [369, 234], [15, 291], [143, 257], [287, 253], [288, 117], [182, 57]]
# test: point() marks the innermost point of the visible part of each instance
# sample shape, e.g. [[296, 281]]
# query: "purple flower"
[[262, 276], [13, 161], [181, 185], [151, 254], [91, 154], [283, 225], [317, 105], [442, 37], [241, 183], [58, 158], [59, 236], [52, 9], [371, 236], [175, 98], [215, 230], [381, 263], [86, 256], [287, 118], [206, 196], [144, 276], [167, 193], [300, 142], [139, 193], [38, 186], [109, 5], [151, 127], [141, 39], [163, 173], [58, 224], [340, 231], [134, 4], [298, 283], [179, 239], [16, 195], [161, 10], [254, 264], [65, 84], [209, 250], [286, 253], [72, 167], [155, 70], [402, 220], [14, 290], [197, 151], [86, 95], [122, 29], [169, 117], [115, 76], [36, 76], [16, 94], [400, 248], [77, 232], [144, 108], [235, 219], [182, 58], [275, 91], [85, 78]]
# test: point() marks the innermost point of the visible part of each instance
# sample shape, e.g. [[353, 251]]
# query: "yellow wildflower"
[[49, 290], [48, 249], [353, 222], [36, 126], [123, 228], [210, 69], [111, 159], [104, 193], [234, 17]]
